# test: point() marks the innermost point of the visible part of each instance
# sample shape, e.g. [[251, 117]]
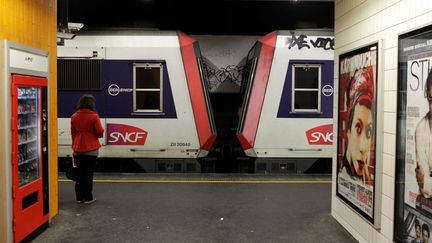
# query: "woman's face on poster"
[[418, 231], [359, 139]]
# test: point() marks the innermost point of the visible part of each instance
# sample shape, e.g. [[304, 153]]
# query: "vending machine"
[[29, 144], [26, 141]]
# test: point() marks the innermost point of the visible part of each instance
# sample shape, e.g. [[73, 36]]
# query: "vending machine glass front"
[[28, 135]]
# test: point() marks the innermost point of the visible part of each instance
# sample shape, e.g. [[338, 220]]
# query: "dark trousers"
[[86, 165]]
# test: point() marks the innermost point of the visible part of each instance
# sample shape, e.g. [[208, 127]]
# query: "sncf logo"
[[322, 135], [120, 134]]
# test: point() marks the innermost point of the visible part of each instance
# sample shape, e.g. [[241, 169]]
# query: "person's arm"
[[73, 131], [98, 127], [424, 181]]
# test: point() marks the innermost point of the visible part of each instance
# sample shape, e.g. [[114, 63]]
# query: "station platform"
[[198, 208]]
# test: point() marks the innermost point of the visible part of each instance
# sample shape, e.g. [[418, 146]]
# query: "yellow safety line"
[[209, 181]]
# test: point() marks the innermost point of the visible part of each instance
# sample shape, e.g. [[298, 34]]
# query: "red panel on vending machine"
[[27, 176]]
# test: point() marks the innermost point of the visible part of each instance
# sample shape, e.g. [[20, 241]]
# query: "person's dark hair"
[[87, 101], [425, 227], [416, 223], [428, 84]]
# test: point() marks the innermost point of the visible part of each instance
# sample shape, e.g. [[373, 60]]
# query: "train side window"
[[148, 79], [306, 88]]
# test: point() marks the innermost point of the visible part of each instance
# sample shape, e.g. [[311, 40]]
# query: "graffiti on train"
[[303, 41], [219, 75]]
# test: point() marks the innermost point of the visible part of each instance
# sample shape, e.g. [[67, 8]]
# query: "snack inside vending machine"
[[25, 143]]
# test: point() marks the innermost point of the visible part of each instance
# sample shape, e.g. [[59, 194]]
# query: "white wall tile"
[[360, 225], [343, 7], [391, 40], [389, 165], [390, 104], [390, 80], [341, 219], [389, 122], [388, 186], [361, 13], [390, 59], [387, 207], [386, 227], [359, 22], [380, 238], [389, 143], [336, 70]]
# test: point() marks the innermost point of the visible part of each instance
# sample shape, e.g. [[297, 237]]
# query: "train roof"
[[124, 38], [127, 32]]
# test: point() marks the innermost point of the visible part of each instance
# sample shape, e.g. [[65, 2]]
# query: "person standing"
[[86, 128], [423, 145]]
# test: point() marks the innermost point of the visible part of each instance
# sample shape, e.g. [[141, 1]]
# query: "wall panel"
[[33, 23], [358, 23]]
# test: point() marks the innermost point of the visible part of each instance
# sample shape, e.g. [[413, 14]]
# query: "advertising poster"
[[417, 227], [413, 209], [418, 134], [357, 129]]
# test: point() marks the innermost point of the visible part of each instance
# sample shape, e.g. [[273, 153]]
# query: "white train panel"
[[169, 119], [286, 115]]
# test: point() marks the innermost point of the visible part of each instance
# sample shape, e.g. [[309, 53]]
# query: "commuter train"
[[150, 92], [286, 118]]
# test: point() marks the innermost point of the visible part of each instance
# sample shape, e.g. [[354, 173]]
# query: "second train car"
[[286, 119], [150, 92]]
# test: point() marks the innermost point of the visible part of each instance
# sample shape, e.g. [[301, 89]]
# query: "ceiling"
[[215, 17]]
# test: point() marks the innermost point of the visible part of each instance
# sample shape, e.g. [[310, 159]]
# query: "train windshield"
[[205, 86], [247, 81]]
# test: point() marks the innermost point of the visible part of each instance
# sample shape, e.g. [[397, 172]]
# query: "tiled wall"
[[32, 23], [361, 22]]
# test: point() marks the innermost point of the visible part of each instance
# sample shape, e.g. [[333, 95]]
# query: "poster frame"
[[375, 219], [401, 131]]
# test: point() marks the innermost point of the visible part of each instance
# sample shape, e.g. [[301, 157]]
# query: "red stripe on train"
[[253, 113], [206, 138]]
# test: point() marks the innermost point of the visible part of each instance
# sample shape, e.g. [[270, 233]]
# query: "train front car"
[[286, 118], [150, 93]]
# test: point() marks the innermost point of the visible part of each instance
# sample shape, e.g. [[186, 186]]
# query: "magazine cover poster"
[[357, 128], [418, 152], [413, 194], [417, 227]]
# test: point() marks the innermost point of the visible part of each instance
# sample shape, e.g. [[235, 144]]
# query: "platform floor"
[[198, 208]]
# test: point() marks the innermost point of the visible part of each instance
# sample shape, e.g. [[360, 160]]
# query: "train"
[[151, 95], [286, 117], [153, 98]]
